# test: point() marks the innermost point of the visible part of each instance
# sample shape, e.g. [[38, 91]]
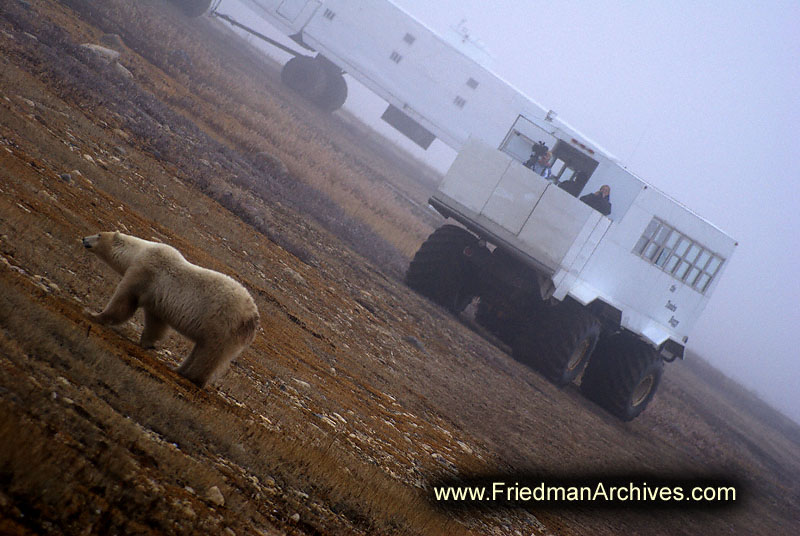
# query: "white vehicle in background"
[[604, 291]]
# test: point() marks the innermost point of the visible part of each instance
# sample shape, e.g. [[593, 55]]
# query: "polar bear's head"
[[115, 248]]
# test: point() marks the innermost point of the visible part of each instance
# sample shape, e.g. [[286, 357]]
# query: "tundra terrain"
[[357, 394]]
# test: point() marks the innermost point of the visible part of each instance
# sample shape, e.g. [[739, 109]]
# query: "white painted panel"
[[582, 238], [514, 197], [474, 175], [291, 9], [554, 225]]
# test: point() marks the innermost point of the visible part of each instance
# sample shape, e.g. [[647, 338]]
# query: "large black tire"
[[305, 75], [335, 92], [622, 376], [496, 321], [505, 320], [440, 271], [504, 312], [316, 79], [193, 8], [558, 342]]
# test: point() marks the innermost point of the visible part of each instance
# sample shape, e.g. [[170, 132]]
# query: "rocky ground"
[[357, 394]]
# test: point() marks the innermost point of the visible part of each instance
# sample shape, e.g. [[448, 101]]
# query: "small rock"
[[66, 177], [295, 518], [122, 70], [88, 158], [415, 342], [214, 495], [106, 54], [188, 511], [120, 150], [45, 284], [112, 40], [301, 383], [299, 279]]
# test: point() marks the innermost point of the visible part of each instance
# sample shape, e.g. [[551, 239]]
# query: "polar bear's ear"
[[117, 238]]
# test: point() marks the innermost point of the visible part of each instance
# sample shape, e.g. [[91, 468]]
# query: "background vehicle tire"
[[193, 8], [487, 316], [304, 75], [622, 376], [316, 79], [440, 272], [335, 92], [503, 312], [558, 342]]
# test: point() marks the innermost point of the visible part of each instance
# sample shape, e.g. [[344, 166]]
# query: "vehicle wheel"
[[623, 376], [316, 79], [305, 75], [503, 312], [439, 271], [487, 316], [558, 342], [503, 320], [193, 8], [335, 92]]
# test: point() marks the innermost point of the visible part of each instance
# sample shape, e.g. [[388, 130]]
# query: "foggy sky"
[[701, 99]]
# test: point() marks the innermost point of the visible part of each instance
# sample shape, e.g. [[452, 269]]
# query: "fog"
[[701, 99]]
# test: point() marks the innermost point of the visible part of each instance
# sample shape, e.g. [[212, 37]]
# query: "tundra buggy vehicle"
[[582, 268], [568, 287]]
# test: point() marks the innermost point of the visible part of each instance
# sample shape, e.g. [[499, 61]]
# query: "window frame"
[[695, 265]]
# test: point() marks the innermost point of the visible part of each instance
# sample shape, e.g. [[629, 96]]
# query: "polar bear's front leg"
[[154, 329], [123, 303]]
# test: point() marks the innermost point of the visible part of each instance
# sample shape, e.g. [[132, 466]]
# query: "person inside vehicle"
[[574, 185], [600, 200], [537, 151], [542, 166]]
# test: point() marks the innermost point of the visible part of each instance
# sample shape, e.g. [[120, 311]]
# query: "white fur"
[[208, 307]]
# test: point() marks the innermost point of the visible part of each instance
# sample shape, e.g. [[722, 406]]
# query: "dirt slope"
[[356, 394]]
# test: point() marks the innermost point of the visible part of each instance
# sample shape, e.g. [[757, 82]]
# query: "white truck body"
[[659, 288], [660, 283]]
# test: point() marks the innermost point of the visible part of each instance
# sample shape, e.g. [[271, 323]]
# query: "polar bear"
[[208, 307]]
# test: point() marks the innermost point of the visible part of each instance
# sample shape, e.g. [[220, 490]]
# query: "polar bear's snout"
[[89, 241]]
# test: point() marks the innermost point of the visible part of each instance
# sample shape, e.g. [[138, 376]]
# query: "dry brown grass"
[[259, 121]]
